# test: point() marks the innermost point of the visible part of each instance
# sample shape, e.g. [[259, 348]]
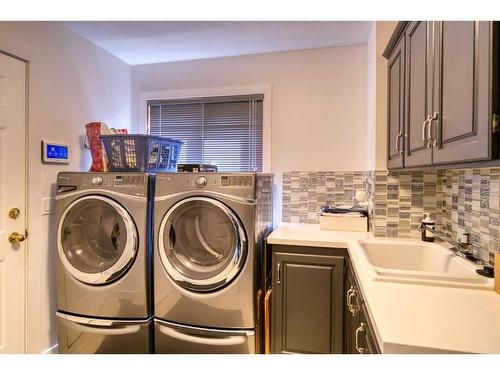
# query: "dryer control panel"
[[241, 185]]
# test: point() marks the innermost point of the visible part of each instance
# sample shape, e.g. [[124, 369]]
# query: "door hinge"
[[494, 123]]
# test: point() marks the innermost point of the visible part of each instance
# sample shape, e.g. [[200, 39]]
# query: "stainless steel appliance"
[[103, 262], [210, 230]]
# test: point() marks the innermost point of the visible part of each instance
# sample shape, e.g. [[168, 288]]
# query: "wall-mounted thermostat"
[[55, 152]]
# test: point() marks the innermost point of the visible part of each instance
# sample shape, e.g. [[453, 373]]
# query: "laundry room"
[[262, 184]]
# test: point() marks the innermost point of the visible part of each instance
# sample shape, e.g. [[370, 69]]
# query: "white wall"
[[71, 82], [371, 93], [319, 103]]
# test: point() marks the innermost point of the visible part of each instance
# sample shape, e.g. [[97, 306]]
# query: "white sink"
[[421, 263]]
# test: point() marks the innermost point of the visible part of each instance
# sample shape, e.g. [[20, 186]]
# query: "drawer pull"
[[351, 306], [361, 329]]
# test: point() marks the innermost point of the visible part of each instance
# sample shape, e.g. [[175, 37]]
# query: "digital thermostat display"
[[53, 152]]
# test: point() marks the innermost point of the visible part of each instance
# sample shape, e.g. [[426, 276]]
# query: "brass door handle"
[[15, 237]]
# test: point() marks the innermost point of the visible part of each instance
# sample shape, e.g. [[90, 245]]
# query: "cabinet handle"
[[398, 148], [429, 132], [435, 117], [424, 125], [278, 275], [348, 299], [351, 306], [351, 289], [361, 329]]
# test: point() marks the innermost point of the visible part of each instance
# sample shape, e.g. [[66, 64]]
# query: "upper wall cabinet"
[[395, 103], [418, 94], [450, 93]]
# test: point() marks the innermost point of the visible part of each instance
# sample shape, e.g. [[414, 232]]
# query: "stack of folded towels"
[[344, 218]]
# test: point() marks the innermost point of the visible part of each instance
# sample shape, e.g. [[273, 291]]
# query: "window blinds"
[[226, 131]]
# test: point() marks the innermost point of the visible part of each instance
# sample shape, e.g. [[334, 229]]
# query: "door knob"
[[15, 237]]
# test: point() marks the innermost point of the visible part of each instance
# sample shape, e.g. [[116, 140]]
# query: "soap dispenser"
[[427, 222]]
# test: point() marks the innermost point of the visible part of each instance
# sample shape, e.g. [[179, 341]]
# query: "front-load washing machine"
[[210, 230], [103, 262]]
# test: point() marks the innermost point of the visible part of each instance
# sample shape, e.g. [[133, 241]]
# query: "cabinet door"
[[395, 106], [418, 103], [366, 340], [308, 303], [462, 120], [351, 312]]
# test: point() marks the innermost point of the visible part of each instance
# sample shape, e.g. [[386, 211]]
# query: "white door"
[[12, 204]]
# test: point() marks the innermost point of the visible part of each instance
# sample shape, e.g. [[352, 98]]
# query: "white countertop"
[[411, 318]]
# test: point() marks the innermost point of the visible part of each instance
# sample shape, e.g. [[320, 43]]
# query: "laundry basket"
[[141, 153]]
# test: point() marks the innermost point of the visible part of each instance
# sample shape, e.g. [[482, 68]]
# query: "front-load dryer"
[[209, 235], [103, 262]]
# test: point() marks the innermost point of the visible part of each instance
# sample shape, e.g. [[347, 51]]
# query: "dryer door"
[[97, 239], [202, 244]]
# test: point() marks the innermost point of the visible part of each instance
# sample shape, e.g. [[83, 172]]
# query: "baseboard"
[[52, 350]]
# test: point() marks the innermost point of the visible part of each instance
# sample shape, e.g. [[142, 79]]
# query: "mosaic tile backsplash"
[[471, 203], [463, 200], [305, 192]]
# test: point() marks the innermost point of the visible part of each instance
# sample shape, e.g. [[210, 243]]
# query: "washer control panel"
[[126, 183]]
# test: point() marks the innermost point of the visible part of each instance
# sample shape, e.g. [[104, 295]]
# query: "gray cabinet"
[[307, 302], [395, 102], [461, 126], [364, 336], [351, 311], [450, 92], [359, 337], [418, 93]]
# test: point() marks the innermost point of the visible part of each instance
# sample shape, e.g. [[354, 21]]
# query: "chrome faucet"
[[461, 247]]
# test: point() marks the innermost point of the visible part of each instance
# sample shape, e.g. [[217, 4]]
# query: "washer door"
[[202, 244], [97, 240]]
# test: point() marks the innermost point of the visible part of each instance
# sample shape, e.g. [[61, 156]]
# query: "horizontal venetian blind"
[[225, 131]]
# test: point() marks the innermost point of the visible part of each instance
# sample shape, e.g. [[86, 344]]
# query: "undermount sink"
[[421, 263]]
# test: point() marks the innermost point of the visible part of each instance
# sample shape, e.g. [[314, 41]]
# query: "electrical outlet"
[[48, 206]]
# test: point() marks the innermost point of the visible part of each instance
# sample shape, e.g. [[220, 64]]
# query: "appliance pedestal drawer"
[[176, 339], [82, 335]]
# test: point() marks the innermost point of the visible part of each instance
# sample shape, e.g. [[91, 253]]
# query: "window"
[[225, 131]]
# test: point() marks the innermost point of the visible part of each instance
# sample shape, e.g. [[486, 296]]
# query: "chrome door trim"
[[101, 191], [228, 273], [121, 265], [233, 198], [213, 332]]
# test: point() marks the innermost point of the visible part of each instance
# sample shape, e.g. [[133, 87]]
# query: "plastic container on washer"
[[141, 153]]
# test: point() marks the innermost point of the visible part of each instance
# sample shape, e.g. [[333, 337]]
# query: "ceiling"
[[152, 42]]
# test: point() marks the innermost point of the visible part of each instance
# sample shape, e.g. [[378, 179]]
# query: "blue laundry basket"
[[141, 153]]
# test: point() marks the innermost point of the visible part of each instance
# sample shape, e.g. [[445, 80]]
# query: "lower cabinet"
[[316, 304], [359, 337], [307, 303]]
